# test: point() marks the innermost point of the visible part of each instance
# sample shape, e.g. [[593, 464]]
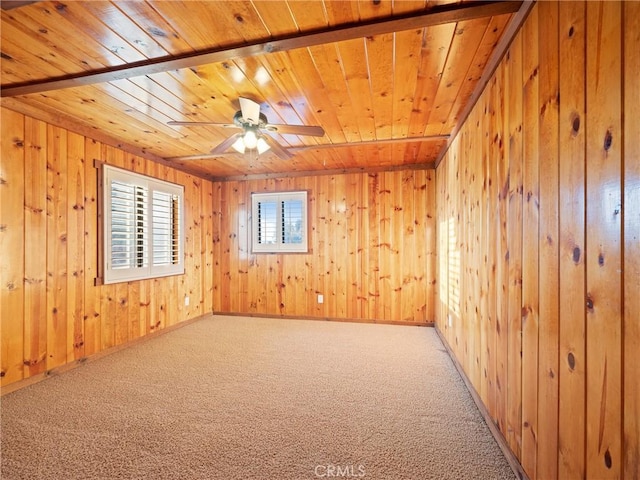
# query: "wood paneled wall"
[[51, 312], [372, 249], [538, 214]]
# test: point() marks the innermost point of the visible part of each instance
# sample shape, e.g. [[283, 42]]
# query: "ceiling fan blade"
[[250, 110], [224, 146], [278, 149], [312, 130], [198, 124]]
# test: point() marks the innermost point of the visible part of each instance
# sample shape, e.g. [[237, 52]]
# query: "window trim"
[[279, 247], [110, 275]]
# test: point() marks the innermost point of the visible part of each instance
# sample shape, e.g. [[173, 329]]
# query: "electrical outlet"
[[320, 298], [186, 301], [450, 320]]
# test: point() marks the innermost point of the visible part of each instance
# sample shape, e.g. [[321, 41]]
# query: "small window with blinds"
[[143, 226], [279, 222]]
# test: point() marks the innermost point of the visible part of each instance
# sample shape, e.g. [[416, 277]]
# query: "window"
[[279, 222], [143, 226]]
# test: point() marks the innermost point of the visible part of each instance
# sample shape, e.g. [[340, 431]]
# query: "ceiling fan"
[[252, 122]]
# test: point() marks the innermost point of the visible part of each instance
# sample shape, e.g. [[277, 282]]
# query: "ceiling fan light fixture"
[[250, 139], [238, 145], [253, 122], [262, 146]]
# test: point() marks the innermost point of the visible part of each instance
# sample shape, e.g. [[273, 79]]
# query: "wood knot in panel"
[[575, 124], [608, 141], [571, 360], [576, 255], [589, 302]]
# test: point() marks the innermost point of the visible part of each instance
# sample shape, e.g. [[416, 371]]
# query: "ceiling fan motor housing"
[[240, 121]]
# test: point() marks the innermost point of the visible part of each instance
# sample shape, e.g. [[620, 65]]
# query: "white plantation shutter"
[[143, 226], [279, 222], [129, 225], [267, 216], [166, 228], [292, 221]]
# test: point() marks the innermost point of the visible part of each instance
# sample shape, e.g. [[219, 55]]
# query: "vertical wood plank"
[[631, 267], [363, 245], [56, 247], [35, 240], [373, 188], [491, 249], [12, 196], [441, 236], [385, 246], [92, 317], [340, 250], [530, 252], [354, 303], [330, 260], [501, 143], [424, 242], [241, 246], [133, 311], [75, 246], [195, 291], [207, 247], [409, 254], [604, 240], [397, 233], [322, 230], [307, 265], [572, 359], [475, 181], [225, 246], [483, 134], [515, 240], [467, 301], [548, 240], [255, 302], [216, 226]]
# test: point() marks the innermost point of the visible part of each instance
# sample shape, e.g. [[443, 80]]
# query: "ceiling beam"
[[387, 141], [437, 15], [11, 4], [316, 173]]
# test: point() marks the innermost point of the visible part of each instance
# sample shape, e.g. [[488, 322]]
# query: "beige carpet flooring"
[[252, 398]]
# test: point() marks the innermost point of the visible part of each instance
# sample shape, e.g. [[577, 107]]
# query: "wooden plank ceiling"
[[388, 81]]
